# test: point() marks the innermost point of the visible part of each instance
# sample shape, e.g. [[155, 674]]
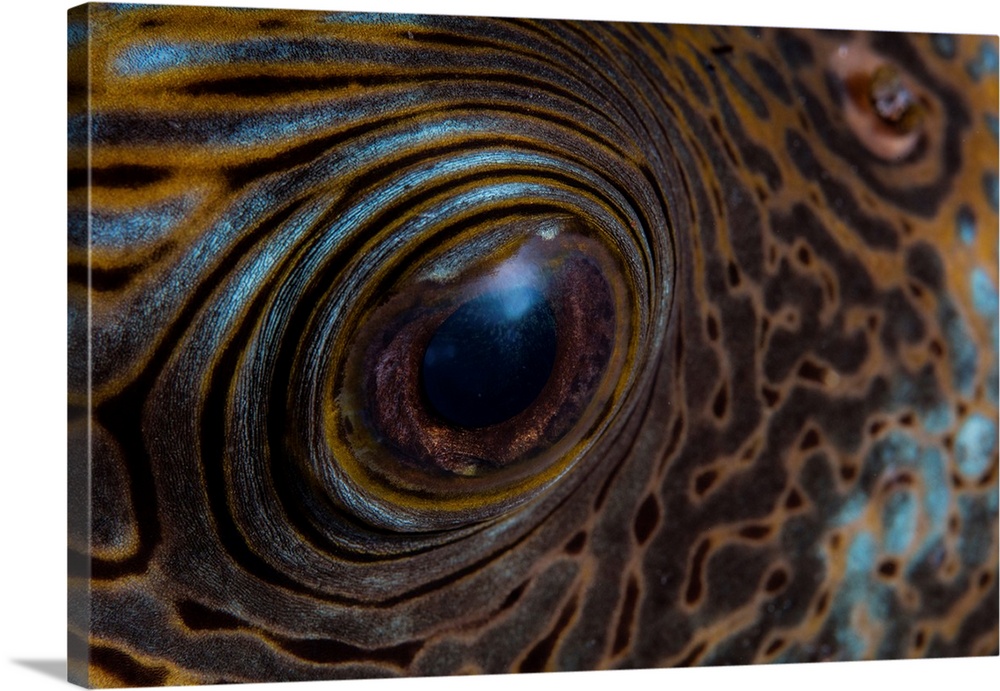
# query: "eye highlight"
[[491, 358]]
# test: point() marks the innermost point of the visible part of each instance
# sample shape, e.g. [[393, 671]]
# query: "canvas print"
[[430, 345]]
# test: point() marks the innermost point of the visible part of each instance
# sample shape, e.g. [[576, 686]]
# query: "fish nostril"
[[894, 103], [882, 107]]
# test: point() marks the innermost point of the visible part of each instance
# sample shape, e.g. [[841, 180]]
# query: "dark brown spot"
[[675, 439], [822, 603], [576, 545], [771, 396], [646, 519], [810, 371], [712, 327], [125, 668], [704, 481], [776, 581], [755, 532], [794, 500], [624, 631], [514, 596], [888, 568], [848, 472], [694, 588], [539, 655], [721, 402], [776, 645], [198, 617], [810, 440], [734, 274], [726, 145], [898, 480], [804, 256], [694, 655]]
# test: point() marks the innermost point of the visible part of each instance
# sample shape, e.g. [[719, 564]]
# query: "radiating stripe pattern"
[[768, 265]]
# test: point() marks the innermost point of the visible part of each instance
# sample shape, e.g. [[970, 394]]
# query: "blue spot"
[[938, 419], [852, 509], [159, 56], [76, 34], [897, 448], [993, 125], [852, 647], [984, 295], [985, 63], [125, 7], [861, 555], [77, 227], [990, 188], [120, 231], [932, 467], [974, 446], [975, 543], [155, 57], [966, 222], [77, 129], [899, 522], [364, 18], [989, 57], [880, 601], [920, 392], [962, 352], [944, 45]]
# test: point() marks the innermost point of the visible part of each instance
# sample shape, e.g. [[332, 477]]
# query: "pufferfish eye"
[[475, 377]]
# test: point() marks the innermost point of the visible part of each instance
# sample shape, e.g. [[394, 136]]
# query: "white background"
[[33, 336]]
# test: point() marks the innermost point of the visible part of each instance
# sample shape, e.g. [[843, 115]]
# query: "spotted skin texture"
[[797, 461]]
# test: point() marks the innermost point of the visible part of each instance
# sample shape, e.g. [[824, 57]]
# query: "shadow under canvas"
[[55, 668]]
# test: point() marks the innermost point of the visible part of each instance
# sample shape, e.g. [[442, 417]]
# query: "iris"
[[491, 358]]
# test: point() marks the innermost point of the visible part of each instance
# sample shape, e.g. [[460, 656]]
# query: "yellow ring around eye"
[[415, 498]]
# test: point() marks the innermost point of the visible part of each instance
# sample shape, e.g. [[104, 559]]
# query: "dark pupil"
[[490, 359]]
